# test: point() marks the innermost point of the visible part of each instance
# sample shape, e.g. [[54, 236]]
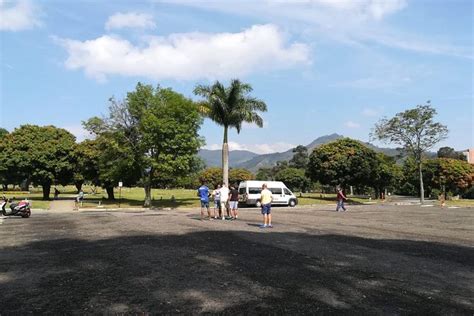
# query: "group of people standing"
[[228, 200], [224, 199]]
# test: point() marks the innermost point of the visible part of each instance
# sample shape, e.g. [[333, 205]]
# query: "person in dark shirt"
[[340, 200], [234, 201]]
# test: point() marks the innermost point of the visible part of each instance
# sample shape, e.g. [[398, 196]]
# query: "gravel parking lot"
[[377, 259]]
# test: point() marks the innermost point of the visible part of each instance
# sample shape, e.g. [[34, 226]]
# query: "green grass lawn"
[[134, 197], [464, 203], [35, 197]]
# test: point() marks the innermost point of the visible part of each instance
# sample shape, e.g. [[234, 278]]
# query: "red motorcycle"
[[22, 208]]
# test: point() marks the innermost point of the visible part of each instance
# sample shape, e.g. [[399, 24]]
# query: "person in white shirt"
[[224, 198], [266, 201], [216, 194]]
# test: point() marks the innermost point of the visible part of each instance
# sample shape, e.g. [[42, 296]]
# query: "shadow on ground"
[[236, 272]]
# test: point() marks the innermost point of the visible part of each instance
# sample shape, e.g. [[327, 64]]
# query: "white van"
[[249, 192]]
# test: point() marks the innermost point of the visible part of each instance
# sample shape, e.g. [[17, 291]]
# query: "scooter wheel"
[[26, 214]]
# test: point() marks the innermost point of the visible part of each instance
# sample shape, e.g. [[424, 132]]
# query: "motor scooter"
[[22, 208]]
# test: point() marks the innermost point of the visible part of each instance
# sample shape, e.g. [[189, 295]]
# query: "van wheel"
[[292, 203], [258, 204]]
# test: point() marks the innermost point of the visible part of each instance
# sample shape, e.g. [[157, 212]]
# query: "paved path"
[[62, 205]]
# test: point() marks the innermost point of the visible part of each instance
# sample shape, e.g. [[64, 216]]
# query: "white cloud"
[[78, 131], [187, 56], [130, 20], [369, 112], [300, 9], [256, 148], [19, 15], [352, 124], [352, 22]]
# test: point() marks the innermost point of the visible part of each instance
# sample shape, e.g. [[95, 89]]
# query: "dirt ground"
[[378, 259]]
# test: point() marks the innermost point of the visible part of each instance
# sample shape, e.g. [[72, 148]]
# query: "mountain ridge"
[[253, 161]]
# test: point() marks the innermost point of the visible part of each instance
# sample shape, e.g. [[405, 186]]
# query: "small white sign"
[[120, 184]]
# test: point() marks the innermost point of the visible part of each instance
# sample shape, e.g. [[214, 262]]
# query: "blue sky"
[[322, 66]]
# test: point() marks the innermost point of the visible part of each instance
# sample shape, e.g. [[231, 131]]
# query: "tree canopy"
[[152, 133], [343, 162], [230, 107], [300, 158], [415, 130], [39, 154]]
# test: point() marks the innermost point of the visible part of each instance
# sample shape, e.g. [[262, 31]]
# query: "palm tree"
[[230, 107]]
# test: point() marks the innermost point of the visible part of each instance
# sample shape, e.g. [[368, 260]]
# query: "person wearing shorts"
[[266, 201], [224, 198], [203, 194], [234, 201], [216, 194]]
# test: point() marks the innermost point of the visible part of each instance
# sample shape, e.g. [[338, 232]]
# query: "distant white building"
[[469, 153]]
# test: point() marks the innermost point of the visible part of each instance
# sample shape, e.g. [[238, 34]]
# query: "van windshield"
[[242, 191], [255, 190]]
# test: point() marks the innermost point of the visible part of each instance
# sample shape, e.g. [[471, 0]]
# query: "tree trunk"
[[110, 193], [46, 191], [5, 187], [79, 185], [147, 188], [422, 189], [25, 185], [225, 159]]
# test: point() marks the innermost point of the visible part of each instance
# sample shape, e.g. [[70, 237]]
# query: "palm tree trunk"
[[225, 159]]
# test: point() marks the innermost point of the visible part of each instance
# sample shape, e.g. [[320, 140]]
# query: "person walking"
[[216, 194], [224, 198], [79, 199], [234, 201], [203, 194], [340, 200], [266, 201], [56, 193]]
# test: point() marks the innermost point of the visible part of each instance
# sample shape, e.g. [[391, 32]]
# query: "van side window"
[[287, 192], [275, 190], [255, 190]]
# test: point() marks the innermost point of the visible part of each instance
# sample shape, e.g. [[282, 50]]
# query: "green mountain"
[[213, 158], [253, 162]]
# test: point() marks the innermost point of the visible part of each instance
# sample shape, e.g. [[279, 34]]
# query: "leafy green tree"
[[448, 152], [265, 174], [190, 180], [86, 163], [279, 166], [213, 176], [237, 175], [7, 171], [343, 162], [387, 174], [230, 107], [300, 158], [449, 175], [43, 155], [115, 161], [153, 133], [294, 178], [416, 131], [3, 132]]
